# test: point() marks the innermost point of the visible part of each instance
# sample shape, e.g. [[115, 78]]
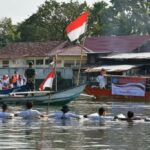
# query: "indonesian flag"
[[77, 27], [48, 81]]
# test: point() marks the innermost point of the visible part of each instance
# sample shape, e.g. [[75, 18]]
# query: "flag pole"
[[74, 30], [80, 64], [56, 88]]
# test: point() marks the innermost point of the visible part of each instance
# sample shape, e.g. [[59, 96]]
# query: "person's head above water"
[[29, 105], [65, 109], [4, 107], [130, 114], [101, 111]]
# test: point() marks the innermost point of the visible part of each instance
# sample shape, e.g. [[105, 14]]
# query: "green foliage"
[[130, 17], [8, 32], [50, 21]]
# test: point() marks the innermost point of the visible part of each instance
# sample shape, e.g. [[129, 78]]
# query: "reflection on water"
[[78, 134]]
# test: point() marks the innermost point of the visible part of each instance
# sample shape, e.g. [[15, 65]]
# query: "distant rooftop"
[[145, 55], [28, 49], [119, 44]]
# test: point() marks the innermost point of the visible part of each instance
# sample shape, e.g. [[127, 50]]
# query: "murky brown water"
[[18, 134]]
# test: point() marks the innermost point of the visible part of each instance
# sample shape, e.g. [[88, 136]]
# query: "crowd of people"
[[17, 80], [65, 113]]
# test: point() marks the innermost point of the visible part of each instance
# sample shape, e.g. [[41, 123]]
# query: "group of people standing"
[[18, 80]]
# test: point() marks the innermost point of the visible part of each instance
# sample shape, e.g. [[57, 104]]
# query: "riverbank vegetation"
[[49, 22]]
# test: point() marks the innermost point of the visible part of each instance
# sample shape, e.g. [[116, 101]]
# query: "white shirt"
[[20, 82], [29, 114], [61, 115], [101, 80], [1, 85], [96, 118], [6, 115]]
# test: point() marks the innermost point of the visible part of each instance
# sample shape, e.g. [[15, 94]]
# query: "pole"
[[80, 65], [79, 70], [56, 56]]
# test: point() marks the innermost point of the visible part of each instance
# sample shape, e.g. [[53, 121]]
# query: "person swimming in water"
[[29, 113], [100, 116], [130, 117], [4, 113], [64, 113]]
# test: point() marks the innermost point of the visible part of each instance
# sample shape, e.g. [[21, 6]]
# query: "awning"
[[145, 55], [112, 68]]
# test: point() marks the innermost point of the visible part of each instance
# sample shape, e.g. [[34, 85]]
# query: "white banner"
[[128, 86]]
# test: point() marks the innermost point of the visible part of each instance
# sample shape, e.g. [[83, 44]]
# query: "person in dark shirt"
[[30, 76]]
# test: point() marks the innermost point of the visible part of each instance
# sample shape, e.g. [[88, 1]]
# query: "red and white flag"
[[77, 27], [48, 81]]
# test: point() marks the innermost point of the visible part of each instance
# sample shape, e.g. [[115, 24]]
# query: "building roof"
[[69, 49], [145, 55], [112, 68], [27, 49], [105, 44], [40, 49]]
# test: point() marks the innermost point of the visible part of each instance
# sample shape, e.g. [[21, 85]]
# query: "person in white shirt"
[[20, 81], [29, 113], [1, 85], [101, 79], [5, 81], [64, 114], [4, 114], [98, 117]]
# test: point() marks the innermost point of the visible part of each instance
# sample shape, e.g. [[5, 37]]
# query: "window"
[[68, 63], [14, 62], [5, 63], [58, 61], [39, 62], [27, 62], [48, 61]]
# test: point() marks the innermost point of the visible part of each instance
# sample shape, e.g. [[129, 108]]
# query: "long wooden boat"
[[14, 89], [43, 98], [128, 88]]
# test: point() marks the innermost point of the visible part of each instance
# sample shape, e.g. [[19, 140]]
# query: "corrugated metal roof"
[[112, 68], [120, 44], [129, 56]]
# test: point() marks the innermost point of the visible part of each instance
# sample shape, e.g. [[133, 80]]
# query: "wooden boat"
[[131, 88], [43, 97], [15, 89]]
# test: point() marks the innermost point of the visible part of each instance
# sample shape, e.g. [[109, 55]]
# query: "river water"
[[18, 134]]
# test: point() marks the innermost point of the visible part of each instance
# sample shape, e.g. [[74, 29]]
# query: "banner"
[[128, 86]]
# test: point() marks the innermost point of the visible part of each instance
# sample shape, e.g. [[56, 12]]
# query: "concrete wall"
[[41, 73]]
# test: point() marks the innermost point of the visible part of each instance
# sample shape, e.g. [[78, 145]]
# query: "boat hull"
[[58, 98], [106, 95]]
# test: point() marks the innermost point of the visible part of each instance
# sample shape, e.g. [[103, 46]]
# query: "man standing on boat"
[[30, 75], [101, 79]]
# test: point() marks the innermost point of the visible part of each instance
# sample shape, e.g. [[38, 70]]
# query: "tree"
[[130, 17], [50, 21], [8, 32]]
